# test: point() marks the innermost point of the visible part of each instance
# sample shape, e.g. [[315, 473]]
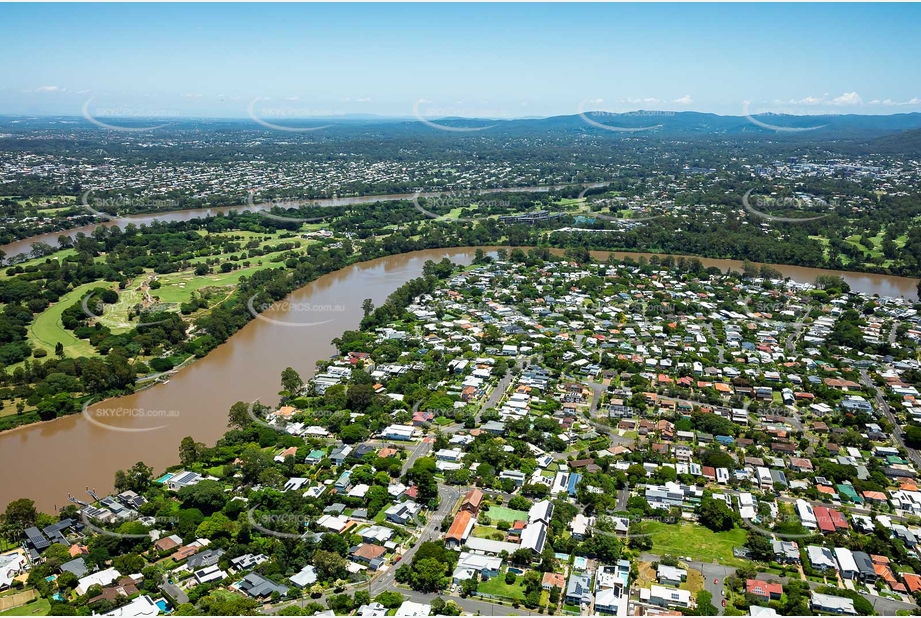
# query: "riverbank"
[[244, 368], [24, 245]]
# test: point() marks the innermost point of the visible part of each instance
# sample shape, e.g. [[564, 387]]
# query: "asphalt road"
[[897, 435], [448, 495]]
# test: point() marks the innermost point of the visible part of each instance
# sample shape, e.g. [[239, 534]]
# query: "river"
[[25, 245], [66, 455]]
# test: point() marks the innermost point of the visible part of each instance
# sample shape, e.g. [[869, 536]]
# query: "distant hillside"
[[904, 143]]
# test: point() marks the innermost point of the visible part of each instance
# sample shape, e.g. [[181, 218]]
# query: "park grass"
[[488, 532], [503, 513], [497, 586], [47, 329], [695, 541], [178, 287], [40, 607]]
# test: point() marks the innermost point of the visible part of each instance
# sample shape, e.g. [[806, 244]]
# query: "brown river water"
[[67, 455], [25, 245]]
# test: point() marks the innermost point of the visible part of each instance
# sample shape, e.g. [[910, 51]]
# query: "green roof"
[[848, 492]]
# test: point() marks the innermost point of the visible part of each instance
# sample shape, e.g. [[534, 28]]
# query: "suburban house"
[[579, 590], [764, 591]]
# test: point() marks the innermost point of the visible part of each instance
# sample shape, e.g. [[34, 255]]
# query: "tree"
[[469, 586], [367, 306], [605, 547], [330, 566], [428, 575], [705, 605], [19, 515], [253, 460], [390, 599], [207, 496], [136, 479], [759, 546], [189, 451], [291, 381], [239, 416], [715, 515]]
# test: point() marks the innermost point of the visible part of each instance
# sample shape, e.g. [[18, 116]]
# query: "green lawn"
[[41, 607], [498, 587], [502, 513], [47, 329], [695, 541]]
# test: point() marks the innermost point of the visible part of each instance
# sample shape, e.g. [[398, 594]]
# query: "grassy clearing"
[[695, 582], [695, 541], [498, 587], [41, 607], [502, 513], [488, 532], [47, 329]]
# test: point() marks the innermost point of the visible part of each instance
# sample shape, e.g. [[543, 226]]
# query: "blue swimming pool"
[[164, 606], [165, 478]]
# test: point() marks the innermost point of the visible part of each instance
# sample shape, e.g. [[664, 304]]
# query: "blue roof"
[[574, 479]]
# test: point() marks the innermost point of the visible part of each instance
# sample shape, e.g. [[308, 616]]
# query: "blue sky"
[[483, 60]]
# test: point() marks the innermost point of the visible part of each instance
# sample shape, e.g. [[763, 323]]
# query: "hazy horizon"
[[452, 60]]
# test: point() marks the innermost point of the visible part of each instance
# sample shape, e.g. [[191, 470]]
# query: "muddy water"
[[884, 285], [25, 245], [47, 461]]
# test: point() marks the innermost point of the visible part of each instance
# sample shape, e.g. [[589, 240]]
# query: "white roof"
[[103, 578], [141, 606], [409, 608], [306, 576]]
